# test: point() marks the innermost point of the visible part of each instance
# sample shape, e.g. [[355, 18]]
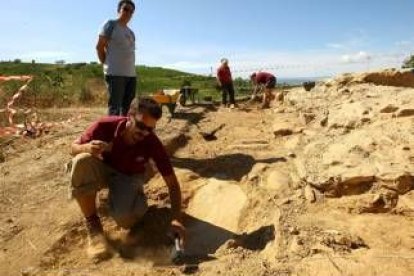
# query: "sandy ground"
[[320, 184]]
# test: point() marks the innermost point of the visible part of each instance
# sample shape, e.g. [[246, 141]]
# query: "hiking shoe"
[[98, 248], [129, 247]]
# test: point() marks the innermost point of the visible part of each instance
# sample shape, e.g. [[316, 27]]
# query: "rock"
[[257, 171], [351, 124], [381, 203], [278, 181], [219, 203], [286, 201], [353, 179], [292, 155], [37, 156], [282, 129], [389, 109], [324, 121], [307, 118], [406, 203], [231, 244], [309, 194], [184, 175], [401, 184], [346, 115], [365, 120], [2, 157], [293, 231], [345, 91], [405, 112], [215, 211], [342, 241], [296, 245], [300, 168]]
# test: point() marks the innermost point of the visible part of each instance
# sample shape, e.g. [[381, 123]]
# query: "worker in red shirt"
[[225, 82], [267, 81], [113, 153]]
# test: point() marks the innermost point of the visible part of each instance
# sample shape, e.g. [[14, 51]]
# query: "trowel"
[[211, 136], [177, 252]]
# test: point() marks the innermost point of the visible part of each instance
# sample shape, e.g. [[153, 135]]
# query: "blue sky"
[[289, 38]]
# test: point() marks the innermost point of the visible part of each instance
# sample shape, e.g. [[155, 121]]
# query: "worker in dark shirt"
[[267, 81], [113, 153], [225, 82]]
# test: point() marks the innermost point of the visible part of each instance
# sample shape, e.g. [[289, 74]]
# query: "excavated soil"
[[320, 184]]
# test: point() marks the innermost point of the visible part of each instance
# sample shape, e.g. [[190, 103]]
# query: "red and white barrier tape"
[[32, 127], [16, 78]]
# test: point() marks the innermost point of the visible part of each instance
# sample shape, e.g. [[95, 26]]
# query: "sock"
[[93, 223]]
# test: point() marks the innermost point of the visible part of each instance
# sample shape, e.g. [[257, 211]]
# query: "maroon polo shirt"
[[127, 159], [263, 77], [224, 75]]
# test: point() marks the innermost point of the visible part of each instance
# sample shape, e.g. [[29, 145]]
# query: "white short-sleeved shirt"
[[120, 54]]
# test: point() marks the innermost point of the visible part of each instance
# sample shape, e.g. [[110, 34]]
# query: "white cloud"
[[357, 57]]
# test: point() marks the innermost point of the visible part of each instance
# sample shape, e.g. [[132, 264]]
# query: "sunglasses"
[[141, 126], [127, 9]]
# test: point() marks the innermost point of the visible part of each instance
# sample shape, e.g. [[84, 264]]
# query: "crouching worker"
[[112, 153], [267, 81]]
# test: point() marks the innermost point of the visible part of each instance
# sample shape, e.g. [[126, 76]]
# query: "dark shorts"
[[271, 83]]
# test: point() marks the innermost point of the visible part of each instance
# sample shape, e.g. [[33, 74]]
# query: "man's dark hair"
[[122, 2], [145, 105]]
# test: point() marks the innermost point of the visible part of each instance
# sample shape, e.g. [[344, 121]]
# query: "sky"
[[295, 38]]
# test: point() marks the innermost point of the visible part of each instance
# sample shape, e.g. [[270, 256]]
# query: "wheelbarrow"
[[167, 98]]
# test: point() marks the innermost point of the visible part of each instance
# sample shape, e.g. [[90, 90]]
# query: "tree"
[[409, 62]]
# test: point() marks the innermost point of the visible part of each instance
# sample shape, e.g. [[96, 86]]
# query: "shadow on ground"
[[224, 167], [203, 239]]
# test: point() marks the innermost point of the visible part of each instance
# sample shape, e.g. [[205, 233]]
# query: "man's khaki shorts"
[[127, 202]]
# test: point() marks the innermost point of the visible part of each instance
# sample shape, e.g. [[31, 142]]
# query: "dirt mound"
[[389, 77]]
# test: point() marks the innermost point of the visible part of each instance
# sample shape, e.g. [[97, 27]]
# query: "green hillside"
[[81, 83]]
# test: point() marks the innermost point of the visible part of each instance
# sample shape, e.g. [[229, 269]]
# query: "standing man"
[[113, 153], [116, 51], [266, 80], [225, 82]]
